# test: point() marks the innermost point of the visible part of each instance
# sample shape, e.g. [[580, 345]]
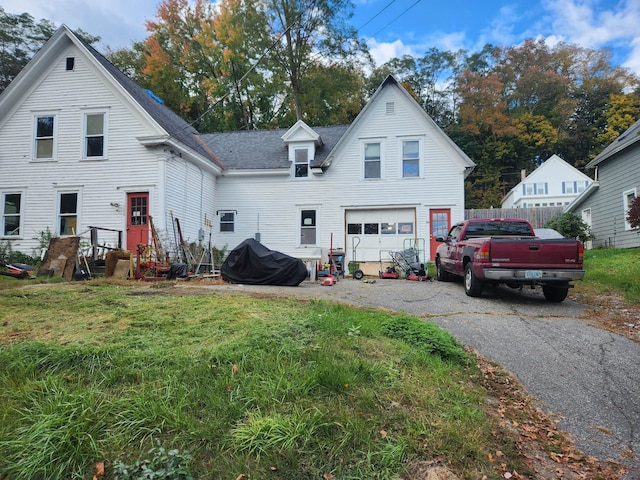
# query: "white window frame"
[[4, 214], [315, 227], [627, 198], [366, 160], [306, 163], [403, 159], [231, 222], [86, 135], [53, 137], [60, 215]]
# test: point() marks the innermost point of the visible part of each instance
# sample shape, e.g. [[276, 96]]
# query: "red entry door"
[[440, 223], [137, 220]]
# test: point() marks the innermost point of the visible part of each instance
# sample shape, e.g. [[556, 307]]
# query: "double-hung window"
[[44, 147], [411, 158], [372, 160], [68, 213], [301, 162], [227, 221], [11, 211], [308, 227], [94, 135]]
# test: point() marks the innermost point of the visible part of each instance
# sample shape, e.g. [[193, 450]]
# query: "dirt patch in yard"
[[610, 312]]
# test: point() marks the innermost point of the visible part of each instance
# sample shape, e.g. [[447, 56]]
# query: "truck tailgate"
[[535, 253]]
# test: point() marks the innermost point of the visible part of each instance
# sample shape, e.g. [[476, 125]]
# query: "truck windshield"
[[496, 229]]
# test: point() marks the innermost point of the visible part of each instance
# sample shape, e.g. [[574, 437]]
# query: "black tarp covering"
[[252, 263]]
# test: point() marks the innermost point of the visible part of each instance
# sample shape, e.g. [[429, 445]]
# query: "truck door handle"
[[534, 247]]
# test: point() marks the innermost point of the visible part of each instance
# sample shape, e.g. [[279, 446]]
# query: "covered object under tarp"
[[252, 263]]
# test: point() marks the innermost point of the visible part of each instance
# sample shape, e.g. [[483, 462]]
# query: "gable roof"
[[391, 81], [628, 138], [266, 149], [177, 130]]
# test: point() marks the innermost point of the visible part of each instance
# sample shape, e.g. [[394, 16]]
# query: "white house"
[[82, 145], [555, 183]]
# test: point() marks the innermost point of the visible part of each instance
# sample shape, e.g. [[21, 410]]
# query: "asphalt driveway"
[[589, 378]]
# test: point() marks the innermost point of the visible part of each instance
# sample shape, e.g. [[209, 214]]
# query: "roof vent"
[[70, 63], [391, 108], [154, 96]]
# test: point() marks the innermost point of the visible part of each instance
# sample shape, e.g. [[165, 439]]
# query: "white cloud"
[[117, 22], [384, 51]]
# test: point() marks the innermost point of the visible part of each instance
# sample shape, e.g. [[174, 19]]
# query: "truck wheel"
[[555, 293], [472, 286], [441, 274]]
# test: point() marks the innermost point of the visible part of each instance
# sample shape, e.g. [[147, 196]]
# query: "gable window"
[[372, 160], [411, 158], [11, 212], [301, 162], [628, 197], [44, 138], [94, 135], [227, 221], [68, 213], [308, 227]]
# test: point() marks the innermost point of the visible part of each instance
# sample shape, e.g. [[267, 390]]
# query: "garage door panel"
[[380, 231]]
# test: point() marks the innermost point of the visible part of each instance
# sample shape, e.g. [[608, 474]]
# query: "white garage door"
[[379, 231]]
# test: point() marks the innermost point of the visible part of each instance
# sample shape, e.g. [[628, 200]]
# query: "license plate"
[[533, 274]]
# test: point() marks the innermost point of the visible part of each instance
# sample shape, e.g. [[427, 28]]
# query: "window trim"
[[60, 215], [296, 163], [20, 214], [419, 159], [316, 226], [35, 138], [232, 222], [626, 204], [85, 135], [380, 161]]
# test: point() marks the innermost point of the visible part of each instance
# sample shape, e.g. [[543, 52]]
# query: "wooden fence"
[[538, 216]]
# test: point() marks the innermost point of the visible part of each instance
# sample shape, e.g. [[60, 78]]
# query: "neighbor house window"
[[308, 227], [627, 198], [94, 135], [411, 158], [301, 162], [372, 160], [11, 208], [227, 221], [44, 138], [68, 217]]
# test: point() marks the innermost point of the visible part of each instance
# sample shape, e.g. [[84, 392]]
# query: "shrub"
[[571, 226]]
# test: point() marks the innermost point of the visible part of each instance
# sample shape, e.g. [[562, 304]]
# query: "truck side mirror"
[[442, 239]]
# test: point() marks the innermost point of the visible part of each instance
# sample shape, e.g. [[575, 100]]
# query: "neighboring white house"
[[555, 183], [82, 145]]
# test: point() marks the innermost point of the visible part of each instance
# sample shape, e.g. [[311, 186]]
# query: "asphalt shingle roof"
[[265, 149]]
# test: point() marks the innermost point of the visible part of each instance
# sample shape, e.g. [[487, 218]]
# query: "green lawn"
[[149, 376]]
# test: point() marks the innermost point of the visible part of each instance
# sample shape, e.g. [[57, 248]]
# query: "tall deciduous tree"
[[309, 29], [20, 38]]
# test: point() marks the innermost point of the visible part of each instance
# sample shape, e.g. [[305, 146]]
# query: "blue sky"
[[398, 27]]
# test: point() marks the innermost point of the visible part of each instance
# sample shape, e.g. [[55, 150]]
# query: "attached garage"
[[378, 231]]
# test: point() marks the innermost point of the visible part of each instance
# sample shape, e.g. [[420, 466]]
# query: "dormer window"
[[301, 163]]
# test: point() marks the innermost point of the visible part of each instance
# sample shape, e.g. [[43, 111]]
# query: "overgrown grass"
[[612, 271], [98, 372]]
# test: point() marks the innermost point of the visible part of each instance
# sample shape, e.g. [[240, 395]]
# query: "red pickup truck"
[[507, 251]]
